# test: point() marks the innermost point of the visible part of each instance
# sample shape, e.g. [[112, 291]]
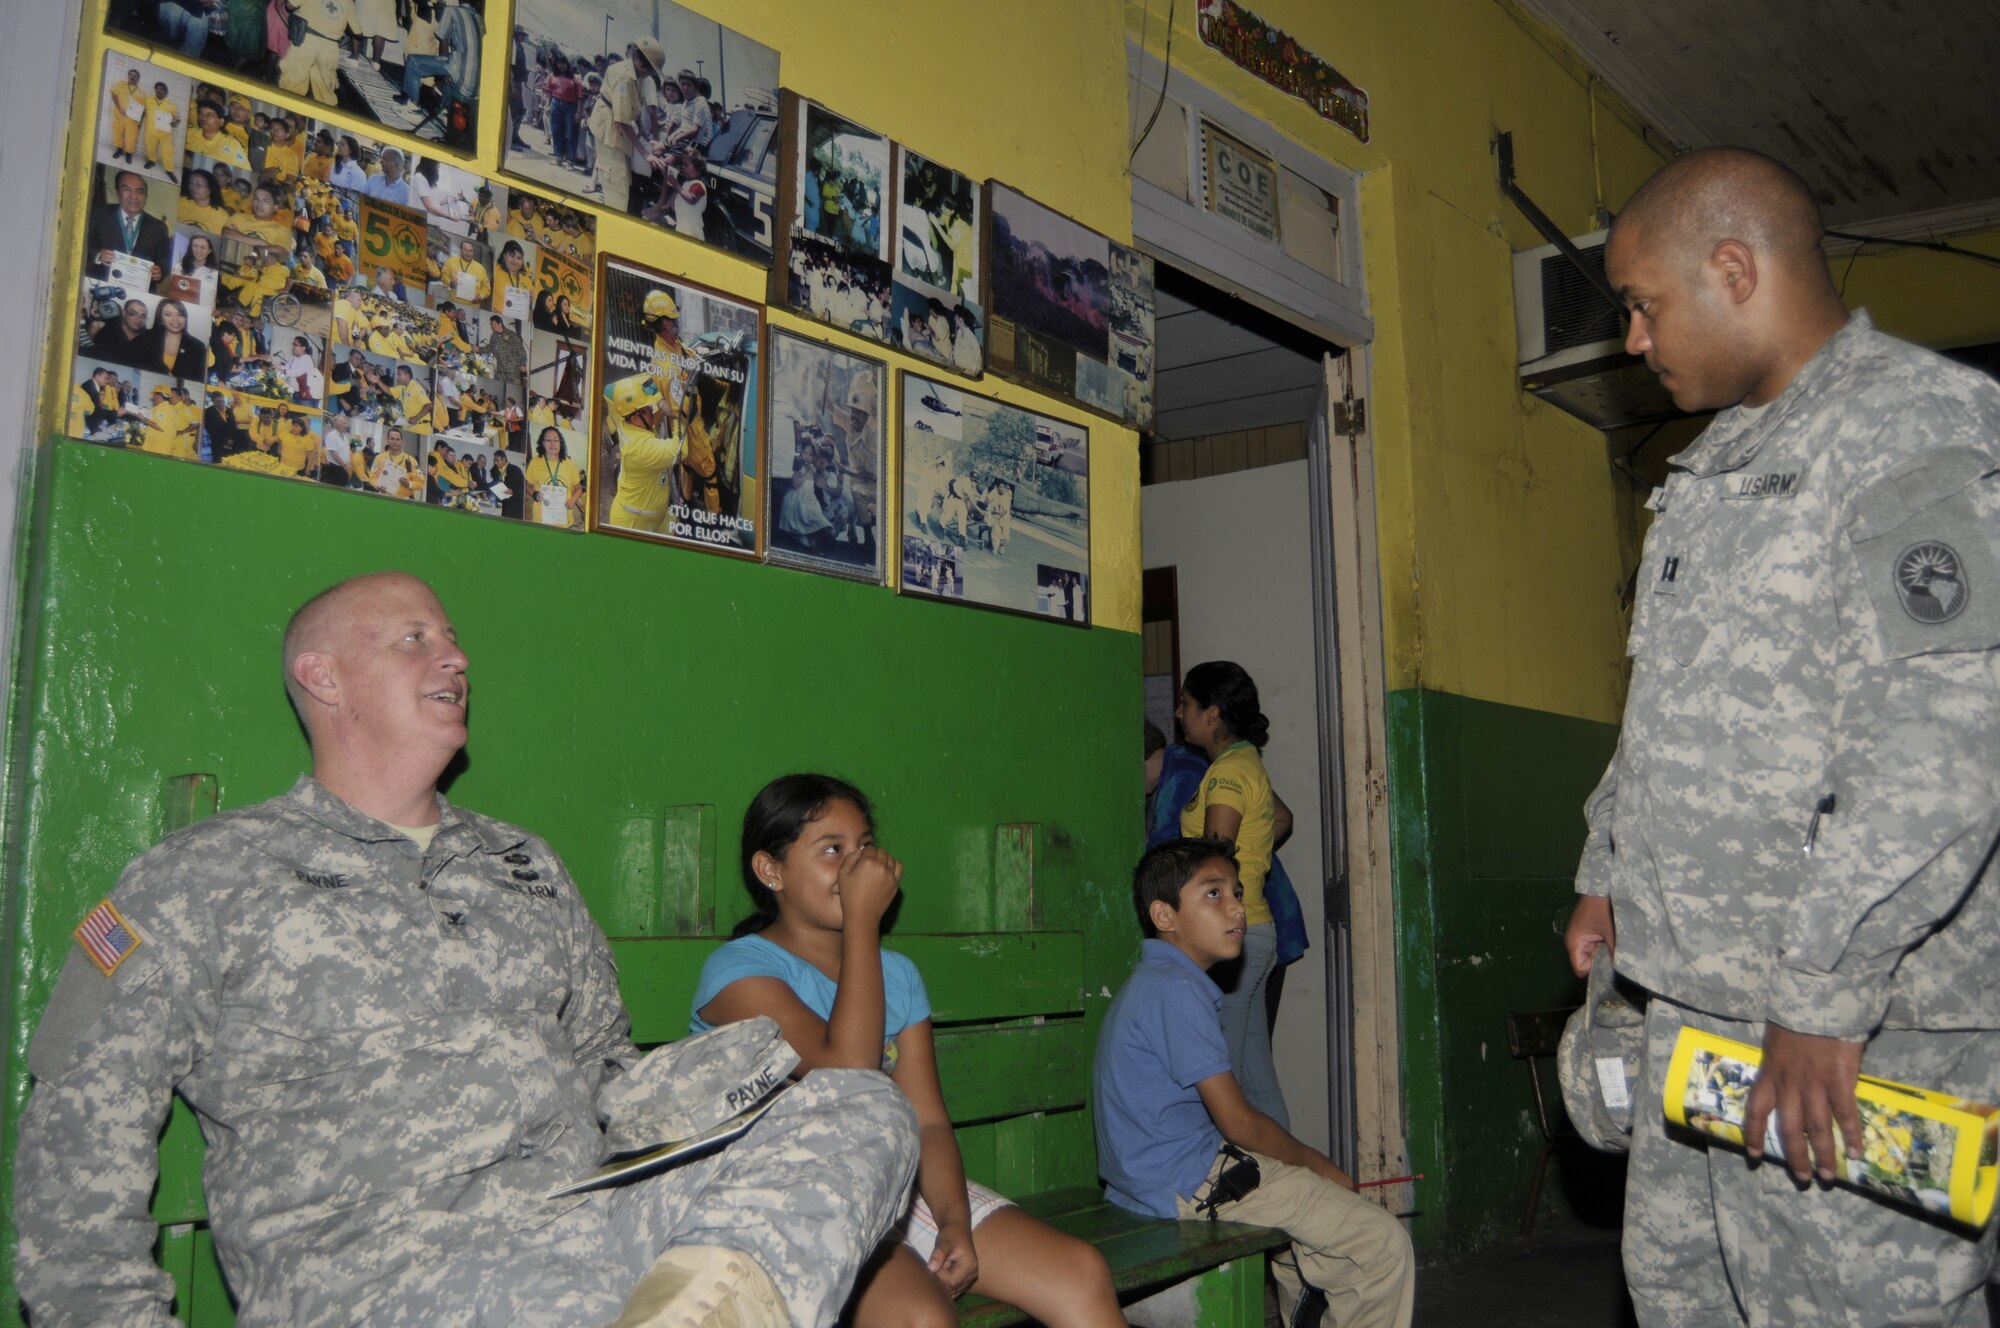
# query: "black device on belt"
[[1235, 1181]]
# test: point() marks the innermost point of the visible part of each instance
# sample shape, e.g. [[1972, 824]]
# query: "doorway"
[[1229, 550]]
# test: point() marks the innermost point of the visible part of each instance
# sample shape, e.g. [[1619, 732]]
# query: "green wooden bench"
[[1014, 1055], [1014, 1058]]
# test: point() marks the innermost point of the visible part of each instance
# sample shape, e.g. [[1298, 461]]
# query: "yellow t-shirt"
[[467, 281], [79, 406], [223, 147], [162, 113], [404, 477], [1237, 779], [207, 216], [564, 474], [413, 400], [296, 450], [504, 281], [317, 166], [271, 231], [287, 159], [542, 414]]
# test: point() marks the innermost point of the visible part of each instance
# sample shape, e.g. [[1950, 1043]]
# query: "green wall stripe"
[[611, 681], [1486, 821]]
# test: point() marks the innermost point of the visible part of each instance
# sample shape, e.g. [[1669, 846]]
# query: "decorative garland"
[[1281, 61]]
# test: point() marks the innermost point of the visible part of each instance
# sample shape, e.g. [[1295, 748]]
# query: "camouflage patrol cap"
[[684, 1088], [1598, 1060]]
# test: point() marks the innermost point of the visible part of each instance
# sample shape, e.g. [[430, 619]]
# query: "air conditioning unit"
[[1572, 342]]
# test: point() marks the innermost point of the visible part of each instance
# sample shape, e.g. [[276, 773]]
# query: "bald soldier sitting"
[[399, 1028], [1797, 829]]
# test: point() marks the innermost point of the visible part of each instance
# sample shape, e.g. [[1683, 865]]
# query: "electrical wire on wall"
[[1165, 73], [1934, 246]]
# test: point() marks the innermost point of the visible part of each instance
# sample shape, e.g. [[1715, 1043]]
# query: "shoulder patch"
[[106, 937], [1930, 581], [1925, 541]]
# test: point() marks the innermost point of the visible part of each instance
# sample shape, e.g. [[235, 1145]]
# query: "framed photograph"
[[676, 457], [935, 312], [824, 497], [1069, 312], [413, 67], [995, 503], [142, 118], [836, 224], [653, 111]]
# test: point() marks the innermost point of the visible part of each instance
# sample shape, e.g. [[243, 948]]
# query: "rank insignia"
[[1930, 582]]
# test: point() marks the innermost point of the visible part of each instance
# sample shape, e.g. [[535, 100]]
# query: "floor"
[[1510, 1285]]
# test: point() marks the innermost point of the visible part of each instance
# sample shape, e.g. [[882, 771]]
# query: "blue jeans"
[[183, 28], [562, 128], [1244, 1026], [417, 68]]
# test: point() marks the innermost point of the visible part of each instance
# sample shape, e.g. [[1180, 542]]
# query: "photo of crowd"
[[658, 113], [265, 292], [676, 439], [412, 65], [826, 458], [935, 312], [995, 503], [837, 248]]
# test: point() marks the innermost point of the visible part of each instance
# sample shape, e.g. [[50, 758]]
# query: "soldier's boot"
[[704, 1286]]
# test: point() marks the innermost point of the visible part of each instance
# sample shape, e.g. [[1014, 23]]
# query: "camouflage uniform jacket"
[[393, 1058], [1796, 824]]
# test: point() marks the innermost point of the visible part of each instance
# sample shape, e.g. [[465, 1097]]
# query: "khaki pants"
[[614, 171], [1348, 1248]]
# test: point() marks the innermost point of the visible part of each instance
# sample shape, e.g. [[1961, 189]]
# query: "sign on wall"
[[1240, 183]]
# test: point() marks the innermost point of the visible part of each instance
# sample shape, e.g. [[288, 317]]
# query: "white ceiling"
[[1889, 108], [1221, 365]]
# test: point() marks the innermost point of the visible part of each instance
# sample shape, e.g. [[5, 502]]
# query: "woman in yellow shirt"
[[512, 271], [1219, 717], [555, 485], [199, 205]]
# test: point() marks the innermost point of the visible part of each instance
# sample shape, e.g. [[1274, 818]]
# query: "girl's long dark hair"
[[1228, 688], [777, 816]]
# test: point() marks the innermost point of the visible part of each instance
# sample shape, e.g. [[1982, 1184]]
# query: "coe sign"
[[1242, 183]]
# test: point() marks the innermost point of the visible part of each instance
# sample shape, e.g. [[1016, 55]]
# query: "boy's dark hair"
[[1156, 741], [777, 815], [1223, 684], [1167, 868]]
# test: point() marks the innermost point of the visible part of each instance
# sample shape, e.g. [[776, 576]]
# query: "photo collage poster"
[[1070, 312], [677, 423], [826, 458], [409, 65], [934, 309], [652, 111], [266, 292], [835, 251], [995, 504]]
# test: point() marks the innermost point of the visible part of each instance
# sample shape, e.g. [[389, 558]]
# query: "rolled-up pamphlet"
[[1923, 1149]]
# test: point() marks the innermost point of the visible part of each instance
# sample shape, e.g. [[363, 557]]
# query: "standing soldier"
[[1797, 829]]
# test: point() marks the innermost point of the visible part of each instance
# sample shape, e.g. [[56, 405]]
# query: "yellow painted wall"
[[1934, 299], [1031, 92], [1500, 532]]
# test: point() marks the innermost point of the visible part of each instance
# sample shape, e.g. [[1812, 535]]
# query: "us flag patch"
[[106, 938]]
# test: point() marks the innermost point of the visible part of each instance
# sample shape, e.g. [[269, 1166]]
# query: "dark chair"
[[1533, 1036]]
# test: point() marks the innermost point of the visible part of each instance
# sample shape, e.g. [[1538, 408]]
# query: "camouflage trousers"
[[808, 1193], [1711, 1239]]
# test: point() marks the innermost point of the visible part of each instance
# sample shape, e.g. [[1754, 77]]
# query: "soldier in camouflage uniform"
[[394, 1018], [1797, 827]]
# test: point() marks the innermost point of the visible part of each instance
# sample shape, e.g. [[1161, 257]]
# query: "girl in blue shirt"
[[811, 957]]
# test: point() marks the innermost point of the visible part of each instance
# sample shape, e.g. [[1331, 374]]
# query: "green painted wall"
[[611, 681], [1486, 821]]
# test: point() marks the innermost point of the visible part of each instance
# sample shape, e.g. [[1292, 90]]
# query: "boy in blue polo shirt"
[[1171, 1120]]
